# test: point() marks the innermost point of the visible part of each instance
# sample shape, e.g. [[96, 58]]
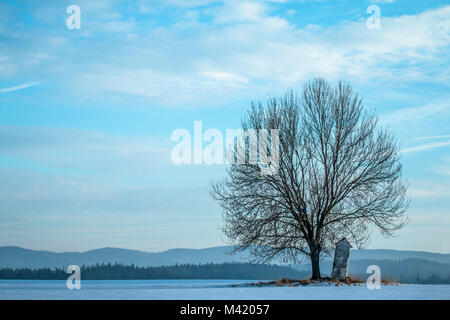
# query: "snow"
[[209, 290]]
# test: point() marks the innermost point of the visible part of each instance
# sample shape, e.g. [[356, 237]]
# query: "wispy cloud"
[[439, 106], [443, 136], [265, 52], [383, 1], [425, 147], [88, 150], [429, 189], [209, 50], [225, 76], [19, 87]]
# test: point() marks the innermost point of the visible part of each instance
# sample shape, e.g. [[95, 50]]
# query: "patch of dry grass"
[[352, 280], [389, 281]]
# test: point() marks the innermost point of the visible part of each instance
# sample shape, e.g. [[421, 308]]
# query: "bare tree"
[[338, 173]]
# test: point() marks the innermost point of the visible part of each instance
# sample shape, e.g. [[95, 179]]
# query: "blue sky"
[[86, 115]]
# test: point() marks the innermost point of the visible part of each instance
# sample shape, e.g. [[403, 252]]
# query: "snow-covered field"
[[208, 290]]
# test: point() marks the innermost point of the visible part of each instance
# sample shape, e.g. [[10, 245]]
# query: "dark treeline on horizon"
[[237, 271], [179, 271], [409, 270]]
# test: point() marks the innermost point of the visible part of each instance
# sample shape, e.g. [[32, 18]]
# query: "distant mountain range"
[[16, 257], [20, 257]]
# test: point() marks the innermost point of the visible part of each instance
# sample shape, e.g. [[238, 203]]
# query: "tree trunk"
[[315, 263]]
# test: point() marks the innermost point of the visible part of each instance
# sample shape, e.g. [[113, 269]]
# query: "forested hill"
[[182, 271], [16, 257]]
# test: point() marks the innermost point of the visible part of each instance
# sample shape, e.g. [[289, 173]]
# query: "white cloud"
[[244, 44], [260, 47], [224, 76], [425, 147], [444, 136], [189, 3], [439, 106], [241, 11], [382, 1], [114, 26], [19, 87], [429, 190]]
